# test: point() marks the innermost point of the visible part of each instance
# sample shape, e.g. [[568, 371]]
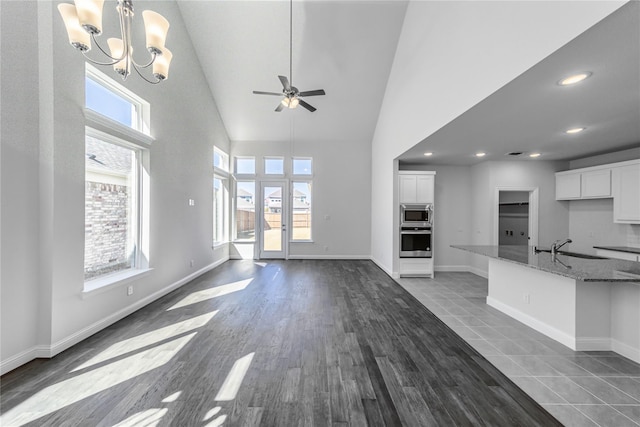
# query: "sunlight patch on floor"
[[232, 383], [148, 418], [211, 413], [68, 392], [211, 293], [172, 398], [217, 422], [147, 339]]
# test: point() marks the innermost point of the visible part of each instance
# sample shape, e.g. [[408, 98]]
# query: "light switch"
[[192, 202]]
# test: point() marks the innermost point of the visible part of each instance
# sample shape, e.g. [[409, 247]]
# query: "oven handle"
[[416, 232]]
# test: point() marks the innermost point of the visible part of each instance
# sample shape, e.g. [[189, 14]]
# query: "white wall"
[[450, 56], [341, 189], [591, 221], [43, 207]]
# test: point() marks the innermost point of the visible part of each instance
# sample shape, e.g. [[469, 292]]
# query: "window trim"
[[264, 166], [234, 207], [301, 177], [143, 108], [224, 171], [141, 264], [292, 182], [225, 209], [242, 175]]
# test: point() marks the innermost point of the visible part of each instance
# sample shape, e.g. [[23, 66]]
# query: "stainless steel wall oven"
[[415, 242]]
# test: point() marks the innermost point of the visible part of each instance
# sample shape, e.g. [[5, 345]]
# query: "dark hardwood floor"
[[274, 343]]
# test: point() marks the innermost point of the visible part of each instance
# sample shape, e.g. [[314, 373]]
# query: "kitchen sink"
[[572, 254]]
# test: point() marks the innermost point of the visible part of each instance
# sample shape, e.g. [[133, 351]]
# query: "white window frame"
[[264, 166], [223, 175], [301, 177], [235, 208], [249, 176], [291, 212], [224, 170], [139, 140]]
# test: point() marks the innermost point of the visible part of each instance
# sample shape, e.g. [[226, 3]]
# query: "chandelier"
[[84, 22]]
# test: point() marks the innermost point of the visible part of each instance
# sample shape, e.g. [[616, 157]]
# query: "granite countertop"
[[620, 249], [587, 270]]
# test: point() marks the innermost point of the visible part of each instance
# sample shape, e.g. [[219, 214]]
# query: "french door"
[[273, 226]]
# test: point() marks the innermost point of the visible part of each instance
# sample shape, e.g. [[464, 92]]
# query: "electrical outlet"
[[129, 290], [326, 248], [526, 298]]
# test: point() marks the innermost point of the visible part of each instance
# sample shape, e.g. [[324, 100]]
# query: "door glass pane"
[[301, 225], [272, 211], [245, 211]]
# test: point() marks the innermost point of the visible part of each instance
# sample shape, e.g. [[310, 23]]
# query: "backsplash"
[[633, 236]]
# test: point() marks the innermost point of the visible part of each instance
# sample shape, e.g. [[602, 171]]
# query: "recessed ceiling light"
[[574, 130], [428, 154], [534, 155], [480, 154], [576, 78]]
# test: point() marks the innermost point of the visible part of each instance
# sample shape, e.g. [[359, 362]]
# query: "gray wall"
[[42, 181], [341, 190]]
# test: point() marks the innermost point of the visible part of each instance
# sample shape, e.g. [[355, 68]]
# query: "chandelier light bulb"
[[294, 103], [285, 102], [90, 15], [78, 37], [156, 27], [116, 46], [161, 64]]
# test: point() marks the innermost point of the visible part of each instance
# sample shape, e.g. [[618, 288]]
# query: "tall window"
[[220, 196], [113, 181], [111, 214], [301, 211], [245, 214]]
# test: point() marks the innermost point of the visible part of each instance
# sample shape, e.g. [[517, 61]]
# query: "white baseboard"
[[367, 257], [452, 268], [44, 351], [478, 272], [625, 350], [593, 344], [548, 330], [21, 358], [392, 274]]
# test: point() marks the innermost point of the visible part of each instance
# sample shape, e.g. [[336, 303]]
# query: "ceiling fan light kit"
[[292, 96]]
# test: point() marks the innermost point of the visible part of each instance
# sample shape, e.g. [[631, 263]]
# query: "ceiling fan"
[[291, 95]]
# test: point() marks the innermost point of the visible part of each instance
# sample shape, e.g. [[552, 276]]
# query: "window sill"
[[106, 283], [219, 244], [105, 124]]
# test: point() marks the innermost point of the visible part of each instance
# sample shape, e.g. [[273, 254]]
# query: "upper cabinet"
[[626, 193], [416, 186], [618, 180], [588, 183]]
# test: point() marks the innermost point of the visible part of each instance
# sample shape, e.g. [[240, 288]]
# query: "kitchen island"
[[585, 303]]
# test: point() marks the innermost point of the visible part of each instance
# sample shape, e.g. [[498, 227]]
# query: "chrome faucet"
[[558, 244]]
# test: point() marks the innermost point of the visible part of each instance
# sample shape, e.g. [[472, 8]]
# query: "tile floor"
[[578, 388]]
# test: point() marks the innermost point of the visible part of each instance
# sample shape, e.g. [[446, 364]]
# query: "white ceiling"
[[343, 47], [531, 113], [347, 49]]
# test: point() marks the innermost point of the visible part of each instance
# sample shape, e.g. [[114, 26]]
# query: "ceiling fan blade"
[[313, 92], [285, 82], [259, 92], [307, 106], [279, 107]]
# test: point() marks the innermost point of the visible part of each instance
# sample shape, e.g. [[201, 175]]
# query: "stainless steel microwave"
[[416, 215]]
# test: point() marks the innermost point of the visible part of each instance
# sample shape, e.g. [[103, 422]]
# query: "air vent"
[[514, 153]]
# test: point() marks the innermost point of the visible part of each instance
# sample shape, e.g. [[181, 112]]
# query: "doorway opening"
[[516, 217]]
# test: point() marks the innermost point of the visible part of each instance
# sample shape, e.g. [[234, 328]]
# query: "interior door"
[[273, 227]]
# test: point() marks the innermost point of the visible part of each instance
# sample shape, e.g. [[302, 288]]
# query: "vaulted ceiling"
[[347, 49]]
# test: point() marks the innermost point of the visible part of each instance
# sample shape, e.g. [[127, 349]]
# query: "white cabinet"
[[568, 186], [416, 187], [595, 184], [626, 193], [416, 267]]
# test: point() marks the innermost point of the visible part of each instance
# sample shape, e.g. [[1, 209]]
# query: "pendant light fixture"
[[83, 21]]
